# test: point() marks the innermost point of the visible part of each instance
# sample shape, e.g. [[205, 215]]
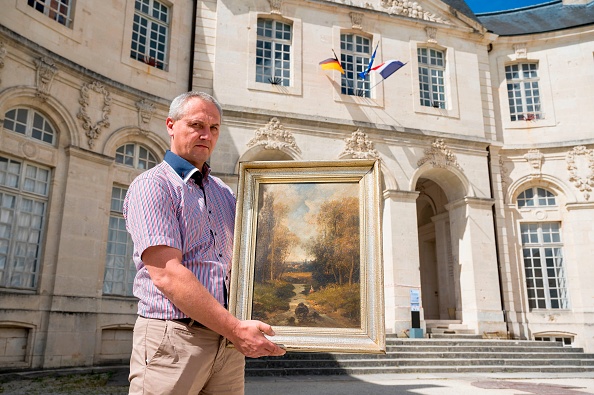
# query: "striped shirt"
[[165, 206]]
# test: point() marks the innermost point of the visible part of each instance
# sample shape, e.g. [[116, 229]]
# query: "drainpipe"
[[192, 44], [497, 253]]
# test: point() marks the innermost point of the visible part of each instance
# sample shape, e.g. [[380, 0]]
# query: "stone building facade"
[[486, 152]]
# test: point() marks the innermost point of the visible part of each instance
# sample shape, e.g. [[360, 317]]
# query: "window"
[[58, 10], [565, 340], [119, 266], [431, 77], [522, 91], [150, 33], [135, 155], [29, 123], [543, 265], [24, 190], [536, 197], [355, 53], [273, 52]]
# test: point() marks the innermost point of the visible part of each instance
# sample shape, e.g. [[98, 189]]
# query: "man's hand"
[[248, 338]]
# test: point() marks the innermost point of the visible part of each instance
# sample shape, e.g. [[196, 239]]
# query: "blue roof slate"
[[541, 18]]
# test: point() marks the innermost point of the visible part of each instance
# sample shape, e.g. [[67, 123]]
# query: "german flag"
[[331, 64]]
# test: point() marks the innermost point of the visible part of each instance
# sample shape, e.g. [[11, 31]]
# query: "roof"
[[461, 6], [541, 18]]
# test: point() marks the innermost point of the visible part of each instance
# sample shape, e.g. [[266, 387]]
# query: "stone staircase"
[[429, 355]]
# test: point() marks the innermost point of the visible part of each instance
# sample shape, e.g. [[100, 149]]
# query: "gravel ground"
[[110, 382]]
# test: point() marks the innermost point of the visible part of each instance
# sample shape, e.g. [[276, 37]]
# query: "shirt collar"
[[182, 167]]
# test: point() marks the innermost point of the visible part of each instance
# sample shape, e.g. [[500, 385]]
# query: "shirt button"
[[220, 255]]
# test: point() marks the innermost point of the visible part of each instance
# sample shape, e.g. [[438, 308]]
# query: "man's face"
[[194, 136]]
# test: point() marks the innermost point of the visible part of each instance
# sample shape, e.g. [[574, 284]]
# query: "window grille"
[[150, 33], [431, 77], [355, 53], [273, 52]]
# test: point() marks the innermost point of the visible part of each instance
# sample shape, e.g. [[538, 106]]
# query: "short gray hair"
[[178, 105]]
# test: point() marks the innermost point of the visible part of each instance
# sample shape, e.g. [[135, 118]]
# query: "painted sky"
[[304, 201], [480, 6]]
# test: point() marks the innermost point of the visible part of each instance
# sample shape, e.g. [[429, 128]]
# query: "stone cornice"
[[75, 68]]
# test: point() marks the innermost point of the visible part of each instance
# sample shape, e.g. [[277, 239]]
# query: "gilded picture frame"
[[307, 254]]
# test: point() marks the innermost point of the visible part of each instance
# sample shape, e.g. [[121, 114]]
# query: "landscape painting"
[[306, 268], [307, 253]]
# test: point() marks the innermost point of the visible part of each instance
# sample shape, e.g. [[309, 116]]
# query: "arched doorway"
[[439, 283]]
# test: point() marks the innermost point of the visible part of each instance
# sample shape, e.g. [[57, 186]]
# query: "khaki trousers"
[[170, 358]]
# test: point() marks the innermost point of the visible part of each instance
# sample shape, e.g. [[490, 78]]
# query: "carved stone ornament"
[[274, 136], [411, 9], [2, 56], [93, 129], [431, 34], [521, 50], [145, 113], [580, 164], [358, 146], [275, 6], [46, 71], [439, 155], [535, 158], [357, 20]]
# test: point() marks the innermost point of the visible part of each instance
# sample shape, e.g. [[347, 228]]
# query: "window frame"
[[296, 85], [546, 250], [20, 194], [430, 69], [152, 21], [30, 125], [48, 10], [125, 286], [277, 27], [349, 81], [136, 158], [535, 115], [452, 107], [546, 95]]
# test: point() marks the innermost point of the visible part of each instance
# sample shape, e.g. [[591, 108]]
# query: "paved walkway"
[[114, 381]]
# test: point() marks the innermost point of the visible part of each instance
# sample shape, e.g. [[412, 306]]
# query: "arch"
[[59, 115], [554, 184], [453, 182], [131, 134]]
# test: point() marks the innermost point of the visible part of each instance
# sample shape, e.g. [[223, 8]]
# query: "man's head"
[[193, 125]]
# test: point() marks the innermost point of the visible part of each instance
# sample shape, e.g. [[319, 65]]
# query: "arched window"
[[135, 155], [30, 123], [536, 197]]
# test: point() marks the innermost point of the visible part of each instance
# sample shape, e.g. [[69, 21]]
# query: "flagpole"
[[346, 79]]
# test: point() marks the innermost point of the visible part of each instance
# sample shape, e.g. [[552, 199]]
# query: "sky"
[[480, 6]]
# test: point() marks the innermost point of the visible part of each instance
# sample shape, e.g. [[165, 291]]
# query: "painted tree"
[[336, 246], [274, 240]]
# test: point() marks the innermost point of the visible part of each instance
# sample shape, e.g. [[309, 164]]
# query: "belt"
[[189, 322]]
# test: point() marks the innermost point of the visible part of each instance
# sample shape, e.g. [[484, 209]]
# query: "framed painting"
[[307, 254]]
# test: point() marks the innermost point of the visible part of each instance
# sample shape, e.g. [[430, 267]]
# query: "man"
[[181, 220]]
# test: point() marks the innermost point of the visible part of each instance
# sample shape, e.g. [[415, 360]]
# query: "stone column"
[[401, 257], [473, 248]]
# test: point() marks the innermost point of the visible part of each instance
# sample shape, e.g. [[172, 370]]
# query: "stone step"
[[433, 356], [416, 369]]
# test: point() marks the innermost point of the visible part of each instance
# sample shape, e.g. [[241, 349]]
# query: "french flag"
[[388, 68]]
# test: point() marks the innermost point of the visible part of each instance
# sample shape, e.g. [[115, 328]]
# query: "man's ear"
[[169, 123]]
